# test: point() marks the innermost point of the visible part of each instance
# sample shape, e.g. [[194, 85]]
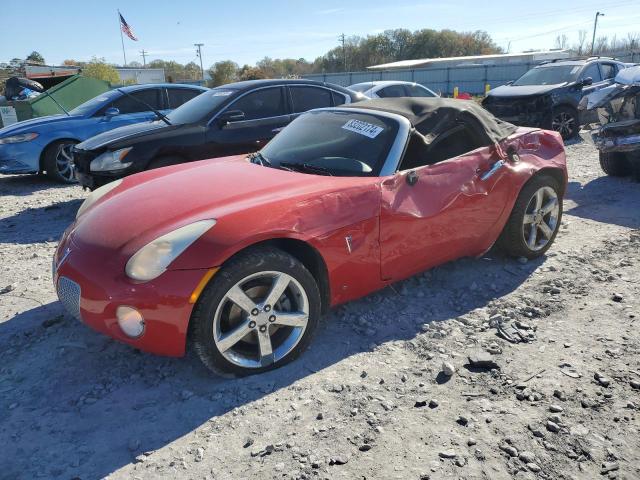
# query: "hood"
[[35, 124], [156, 202], [128, 133], [506, 91]]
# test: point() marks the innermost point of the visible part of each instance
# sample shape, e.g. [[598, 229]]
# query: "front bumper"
[[23, 157], [520, 112], [92, 286]]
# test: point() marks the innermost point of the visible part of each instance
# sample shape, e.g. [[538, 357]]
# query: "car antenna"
[[160, 115]]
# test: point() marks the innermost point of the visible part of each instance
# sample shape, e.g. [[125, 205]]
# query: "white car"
[[392, 88]]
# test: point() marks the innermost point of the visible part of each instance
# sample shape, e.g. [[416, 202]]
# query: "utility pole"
[[144, 57], [595, 26], [199, 46], [344, 51]]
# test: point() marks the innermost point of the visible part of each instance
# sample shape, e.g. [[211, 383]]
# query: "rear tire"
[[57, 161], [535, 219], [615, 164], [278, 317]]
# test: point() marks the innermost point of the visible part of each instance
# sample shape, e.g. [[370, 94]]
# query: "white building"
[[141, 75]]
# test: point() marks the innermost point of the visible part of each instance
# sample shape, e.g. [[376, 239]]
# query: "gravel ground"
[[370, 398]]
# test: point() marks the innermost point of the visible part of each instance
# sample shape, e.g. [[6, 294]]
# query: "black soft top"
[[433, 116]]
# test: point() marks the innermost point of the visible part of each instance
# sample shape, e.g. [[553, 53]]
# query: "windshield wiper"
[[306, 166], [259, 159], [158, 113]]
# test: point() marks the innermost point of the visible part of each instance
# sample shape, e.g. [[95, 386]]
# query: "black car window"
[[202, 107], [264, 103], [392, 91], [178, 96], [308, 98], [338, 98], [608, 70], [126, 104], [591, 71], [346, 144], [416, 91]]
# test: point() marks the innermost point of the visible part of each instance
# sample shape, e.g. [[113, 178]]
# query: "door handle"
[[494, 168]]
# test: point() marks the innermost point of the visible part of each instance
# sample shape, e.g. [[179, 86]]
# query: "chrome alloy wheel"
[[64, 161], [563, 123], [261, 319], [541, 218]]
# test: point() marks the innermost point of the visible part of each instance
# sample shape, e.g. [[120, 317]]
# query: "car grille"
[[69, 295]]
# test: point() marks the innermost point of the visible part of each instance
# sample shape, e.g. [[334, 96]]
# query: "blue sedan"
[[44, 144]]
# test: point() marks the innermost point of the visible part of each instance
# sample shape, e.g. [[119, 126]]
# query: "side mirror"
[[412, 178], [230, 116], [587, 81], [111, 112]]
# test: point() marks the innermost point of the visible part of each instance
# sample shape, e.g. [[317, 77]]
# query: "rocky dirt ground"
[[370, 398]]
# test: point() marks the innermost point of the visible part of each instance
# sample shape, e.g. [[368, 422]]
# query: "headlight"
[[23, 137], [96, 195], [153, 259], [111, 161]]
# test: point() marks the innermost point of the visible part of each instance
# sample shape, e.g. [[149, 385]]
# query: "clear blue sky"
[[246, 31]]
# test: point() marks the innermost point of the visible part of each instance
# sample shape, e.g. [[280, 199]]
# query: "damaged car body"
[[617, 137], [239, 258]]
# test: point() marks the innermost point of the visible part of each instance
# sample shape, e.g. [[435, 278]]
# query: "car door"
[[259, 115], [591, 71], [432, 214]]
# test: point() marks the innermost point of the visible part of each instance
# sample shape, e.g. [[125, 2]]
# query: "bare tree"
[[582, 37], [562, 42]]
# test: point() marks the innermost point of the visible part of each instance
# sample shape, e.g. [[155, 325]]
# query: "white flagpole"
[[122, 39]]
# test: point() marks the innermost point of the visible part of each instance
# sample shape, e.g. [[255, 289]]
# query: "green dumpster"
[[69, 93]]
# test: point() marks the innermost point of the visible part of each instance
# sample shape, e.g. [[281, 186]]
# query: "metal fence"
[[470, 78]]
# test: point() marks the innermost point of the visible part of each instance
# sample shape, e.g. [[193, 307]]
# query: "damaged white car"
[[617, 136]]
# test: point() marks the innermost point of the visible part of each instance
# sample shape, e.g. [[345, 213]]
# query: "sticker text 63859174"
[[363, 128]]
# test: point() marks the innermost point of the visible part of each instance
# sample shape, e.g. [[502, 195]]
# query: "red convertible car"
[[240, 256]]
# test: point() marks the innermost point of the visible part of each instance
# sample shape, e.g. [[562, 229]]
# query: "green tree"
[[223, 72], [251, 73], [35, 57], [98, 68]]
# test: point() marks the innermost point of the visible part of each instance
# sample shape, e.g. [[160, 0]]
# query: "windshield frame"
[[396, 150], [549, 67]]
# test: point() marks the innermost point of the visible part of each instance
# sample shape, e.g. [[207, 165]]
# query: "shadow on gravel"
[[36, 225], [607, 200], [77, 404], [27, 184]]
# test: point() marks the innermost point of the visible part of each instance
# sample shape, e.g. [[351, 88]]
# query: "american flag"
[[126, 28]]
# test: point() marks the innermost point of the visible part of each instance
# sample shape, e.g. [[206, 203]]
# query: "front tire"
[[566, 121], [258, 313], [615, 164], [535, 219], [58, 161]]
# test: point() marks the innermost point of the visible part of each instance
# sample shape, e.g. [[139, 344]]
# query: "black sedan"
[[228, 120]]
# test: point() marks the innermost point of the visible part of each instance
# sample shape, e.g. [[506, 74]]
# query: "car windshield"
[[90, 106], [549, 75], [361, 87], [200, 107], [338, 143]]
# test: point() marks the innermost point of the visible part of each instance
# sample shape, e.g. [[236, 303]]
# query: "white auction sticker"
[[363, 128], [222, 93]]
